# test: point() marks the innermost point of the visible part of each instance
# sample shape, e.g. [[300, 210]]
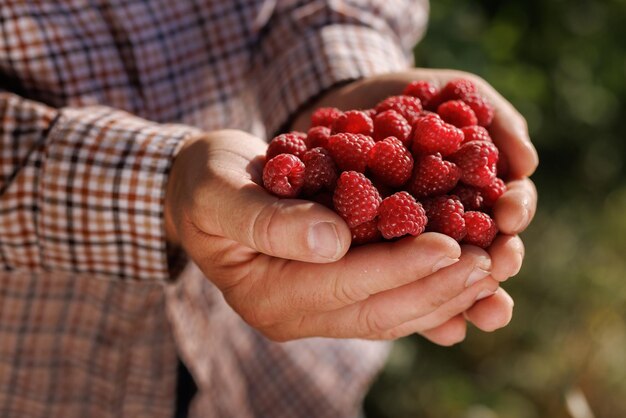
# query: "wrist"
[[172, 192]]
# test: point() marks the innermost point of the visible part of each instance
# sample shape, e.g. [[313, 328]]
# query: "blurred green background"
[[563, 65]]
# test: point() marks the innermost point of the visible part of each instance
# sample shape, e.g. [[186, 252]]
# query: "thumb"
[[226, 202], [285, 228]]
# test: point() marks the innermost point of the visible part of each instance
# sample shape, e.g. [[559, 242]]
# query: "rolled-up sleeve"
[[306, 47]]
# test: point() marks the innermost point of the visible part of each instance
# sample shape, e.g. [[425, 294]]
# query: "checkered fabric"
[[96, 97]]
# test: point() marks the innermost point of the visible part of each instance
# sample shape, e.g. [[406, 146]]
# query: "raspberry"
[[390, 162], [356, 199], [370, 112], [391, 123], [325, 116], [481, 229], [291, 143], [349, 151], [283, 175], [433, 135], [492, 192], [477, 161], [445, 215], [433, 176], [366, 233], [423, 90], [400, 214], [482, 108], [459, 89], [470, 197], [320, 172], [353, 122], [318, 137], [475, 133], [457, 113], [409, 107]]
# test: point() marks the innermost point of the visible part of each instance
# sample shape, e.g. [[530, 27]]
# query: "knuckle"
[[345, 294], [437, 298], [257, 318], [370, 322], [261, 227]]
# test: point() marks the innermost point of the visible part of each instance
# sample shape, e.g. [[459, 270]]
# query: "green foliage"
[[563, 65]]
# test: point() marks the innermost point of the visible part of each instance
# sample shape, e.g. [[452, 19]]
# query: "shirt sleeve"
[[306, 47], [82, 190]]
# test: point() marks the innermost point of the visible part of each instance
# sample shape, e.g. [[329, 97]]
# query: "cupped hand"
[[512, 212], [284, 266]]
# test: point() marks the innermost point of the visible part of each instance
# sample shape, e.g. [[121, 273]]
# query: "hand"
[[513, 211], [284, 264]]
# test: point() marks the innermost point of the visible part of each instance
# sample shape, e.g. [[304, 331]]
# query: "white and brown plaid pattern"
[[95, 99]]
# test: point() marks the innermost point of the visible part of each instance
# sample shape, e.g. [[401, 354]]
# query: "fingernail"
[[476, 275], [444, 262], [485, 294], [324, 240]]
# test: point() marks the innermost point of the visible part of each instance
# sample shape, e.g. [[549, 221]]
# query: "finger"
[[507, 254], [493, 312], [449, 333], [445, 312], [515, 209], [509, 131], [386, 310], [287, 289], [233, 206]]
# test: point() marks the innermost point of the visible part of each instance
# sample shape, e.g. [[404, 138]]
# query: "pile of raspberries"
[[420, 161]]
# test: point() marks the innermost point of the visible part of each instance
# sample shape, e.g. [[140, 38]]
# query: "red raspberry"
[[445, 215], [366, 233], [433, 176], [423, 90], [283, 175], [370, 112], [390, 162], [318, 137], [481, 229], [325, 116], [459, 89], [290, 143], [477, 161], [356, 199], [320, 172], [409, 107], [492, 192], [482, 108], [401, 214], [470, 196], [476, 133], [391, 123], [433, 135], [349, 151], [457, 113], [353, 122]]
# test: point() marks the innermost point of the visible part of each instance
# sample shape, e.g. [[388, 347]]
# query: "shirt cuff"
[[103, 179], [319, 60]]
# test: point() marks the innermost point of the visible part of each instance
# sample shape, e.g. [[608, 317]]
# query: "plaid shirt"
[[95, 99]]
